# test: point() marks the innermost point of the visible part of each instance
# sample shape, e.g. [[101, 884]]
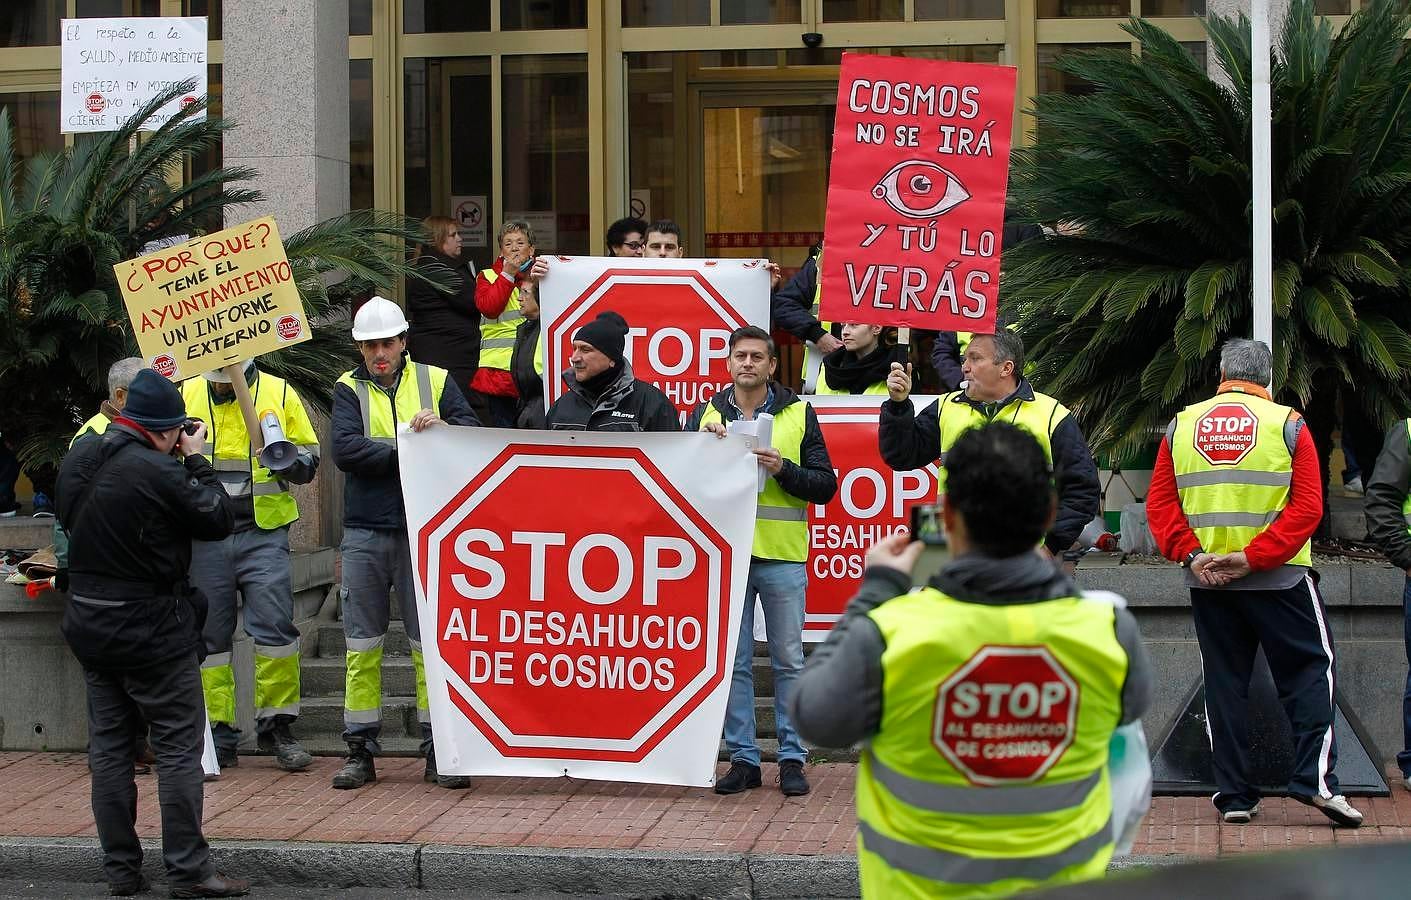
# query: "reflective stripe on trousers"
[[277, 681], [218, 686], [956, 868]]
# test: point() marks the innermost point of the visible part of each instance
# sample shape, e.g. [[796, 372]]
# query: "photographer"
[[986, 700], [132, 500]]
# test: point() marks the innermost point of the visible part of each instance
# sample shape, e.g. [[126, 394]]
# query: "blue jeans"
[[1403, 759], [781, 587]]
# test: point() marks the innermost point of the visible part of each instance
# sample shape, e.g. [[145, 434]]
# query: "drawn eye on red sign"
[[1006, 715], [1226, 434]]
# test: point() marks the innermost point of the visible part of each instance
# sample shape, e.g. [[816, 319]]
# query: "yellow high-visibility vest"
[[497, 334], [781, 519]]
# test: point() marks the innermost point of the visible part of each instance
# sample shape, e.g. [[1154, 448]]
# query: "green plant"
[[66, 219], [1125, 315]]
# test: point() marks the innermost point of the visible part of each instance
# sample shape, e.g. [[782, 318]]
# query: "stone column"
[[286, 89]]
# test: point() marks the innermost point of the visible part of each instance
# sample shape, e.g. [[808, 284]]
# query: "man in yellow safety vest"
[[985, 701]]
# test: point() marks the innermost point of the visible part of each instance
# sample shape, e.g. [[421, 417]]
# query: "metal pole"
[[1262, 207]]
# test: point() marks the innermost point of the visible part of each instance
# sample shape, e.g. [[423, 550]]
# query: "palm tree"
[[67, 218], [1152, 170]]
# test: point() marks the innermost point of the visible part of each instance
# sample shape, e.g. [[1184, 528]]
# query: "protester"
[[627, 237], [601, 393], [497, 291], [996, 391], [1388, 511], [664, 241], [131, 509], [862, 364], [445, 322], [253, 561], [527, 363], [1235, 497], [800, 473], [926, 827], [794, 308], [120, 375], [369, 404]]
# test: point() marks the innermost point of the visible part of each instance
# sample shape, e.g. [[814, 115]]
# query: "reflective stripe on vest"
[[497, 334], [781, 519], [381, 416], [955, 416], [1228, 505], [927, 827], [364, 392], [227, 444]]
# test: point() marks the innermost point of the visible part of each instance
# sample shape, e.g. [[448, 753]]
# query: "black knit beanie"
[[607, 333]]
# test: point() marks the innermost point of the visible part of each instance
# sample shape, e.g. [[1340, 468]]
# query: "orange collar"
[[1244, 387]]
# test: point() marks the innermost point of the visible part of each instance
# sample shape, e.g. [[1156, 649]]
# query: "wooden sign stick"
[[247, 406]]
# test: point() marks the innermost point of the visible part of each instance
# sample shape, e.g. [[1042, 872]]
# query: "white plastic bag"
[[209, 765], [1136, 533], [1129, 770]]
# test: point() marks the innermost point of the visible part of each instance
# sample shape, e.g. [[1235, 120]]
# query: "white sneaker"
[[1353, 487], [1239, 816], [1336, 808]]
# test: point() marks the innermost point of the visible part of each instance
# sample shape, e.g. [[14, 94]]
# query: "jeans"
[[1403, 759], [781, 587]]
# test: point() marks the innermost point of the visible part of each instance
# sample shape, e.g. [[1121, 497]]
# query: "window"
[[434, 16], [1084, 9], [360, 161], [945, 10], [518, 15], [1173, 7], [359, 17], [211, 10], [1053, 81], [34, 116], [637, 13], [545, 131], [862, 10], [30, 23], [760, 12]]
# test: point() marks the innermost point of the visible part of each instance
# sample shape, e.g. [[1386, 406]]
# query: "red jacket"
[[1274, 546]]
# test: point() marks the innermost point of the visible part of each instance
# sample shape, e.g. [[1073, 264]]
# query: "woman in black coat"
[[445, 325]]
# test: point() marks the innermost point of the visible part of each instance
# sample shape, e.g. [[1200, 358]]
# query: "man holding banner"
[[253, 560], [995, 391], [370, 404], [799, 473], [603, 394]]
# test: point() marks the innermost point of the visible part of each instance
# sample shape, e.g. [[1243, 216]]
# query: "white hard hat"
[[379, 318], [218, 376]]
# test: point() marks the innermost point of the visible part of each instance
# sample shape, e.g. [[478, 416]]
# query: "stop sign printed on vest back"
[[1226, 434], [680, 313], [1006, 715], [579, 594]]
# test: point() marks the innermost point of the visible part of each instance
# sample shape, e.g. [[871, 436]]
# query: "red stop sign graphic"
[[680, 330], [593, 636], [1006, 715], [96, 103], [1226, 434]]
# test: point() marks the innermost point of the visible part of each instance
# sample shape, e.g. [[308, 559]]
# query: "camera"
[[190, 426], [926, 525], [812, 39]]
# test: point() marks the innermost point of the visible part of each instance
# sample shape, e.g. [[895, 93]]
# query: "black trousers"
[[1292, 627], [168, 696]]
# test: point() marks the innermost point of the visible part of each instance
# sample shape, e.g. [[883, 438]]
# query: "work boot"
[[792, 782], [357, 770], [227, 757], [741, 777], [288, 755], [130, 888], [216, 886], [432, 776]]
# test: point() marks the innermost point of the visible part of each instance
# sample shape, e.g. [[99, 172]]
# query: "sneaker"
[[357, 770], [43, 508], [227, 757], [432, 776], [1239, 816], [216, 886], [288, 755], [741, 777], [792, 782], [1336, 808], [1354, 487]]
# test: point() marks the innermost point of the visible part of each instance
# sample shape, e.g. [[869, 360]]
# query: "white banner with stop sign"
[[679, 312], [580, 597]]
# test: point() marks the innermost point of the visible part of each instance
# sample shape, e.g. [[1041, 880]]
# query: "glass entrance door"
[[761, 165]]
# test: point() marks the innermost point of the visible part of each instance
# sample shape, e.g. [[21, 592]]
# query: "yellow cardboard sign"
[[214, 300]]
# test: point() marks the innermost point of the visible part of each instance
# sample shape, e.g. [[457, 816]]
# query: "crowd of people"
[[170, 520]]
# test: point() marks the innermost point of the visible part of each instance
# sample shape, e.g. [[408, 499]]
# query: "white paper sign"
[[112, 67]]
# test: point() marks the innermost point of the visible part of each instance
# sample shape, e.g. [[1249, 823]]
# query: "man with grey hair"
[[1235, 498], [995, 390], [120, 375]]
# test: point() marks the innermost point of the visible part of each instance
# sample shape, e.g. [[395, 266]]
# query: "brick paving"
[[46, 795]]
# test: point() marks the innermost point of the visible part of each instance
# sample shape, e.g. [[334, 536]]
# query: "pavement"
[[296, 836]]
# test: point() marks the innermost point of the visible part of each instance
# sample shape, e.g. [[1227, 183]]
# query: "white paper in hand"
[[761, 429], [209, 765]]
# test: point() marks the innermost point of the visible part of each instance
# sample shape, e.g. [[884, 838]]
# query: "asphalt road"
[[12, 888]]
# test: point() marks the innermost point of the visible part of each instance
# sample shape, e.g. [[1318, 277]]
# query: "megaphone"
[[39, 586], [279, 453]]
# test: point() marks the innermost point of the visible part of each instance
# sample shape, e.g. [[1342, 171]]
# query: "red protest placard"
[[916, 193], [872, 502]]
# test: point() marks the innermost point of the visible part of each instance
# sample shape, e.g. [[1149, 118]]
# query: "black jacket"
[[838, 700], [791, 306], [131, 514], [372, 492], [626, 405], [1386, 491], [813, 478], [445, 327], [909, 441], [527, 379]]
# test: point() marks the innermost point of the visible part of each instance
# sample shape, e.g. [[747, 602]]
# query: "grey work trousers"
[[168, 696]]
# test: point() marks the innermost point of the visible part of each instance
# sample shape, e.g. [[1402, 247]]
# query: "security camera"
[[812, 39]]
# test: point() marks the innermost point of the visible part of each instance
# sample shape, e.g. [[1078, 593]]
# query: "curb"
[[484, 871]]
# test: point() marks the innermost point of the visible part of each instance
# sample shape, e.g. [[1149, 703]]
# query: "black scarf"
[[595, 386], [846, 372]]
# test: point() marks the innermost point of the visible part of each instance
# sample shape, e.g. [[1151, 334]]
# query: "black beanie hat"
[[154, 402], [607, 333]]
